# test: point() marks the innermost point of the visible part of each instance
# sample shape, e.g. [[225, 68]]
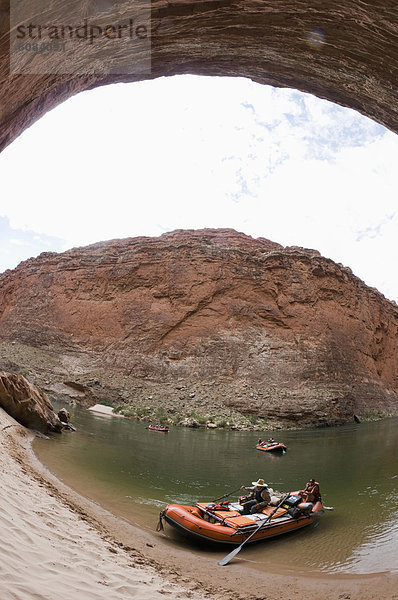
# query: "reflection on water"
[[134, 472]]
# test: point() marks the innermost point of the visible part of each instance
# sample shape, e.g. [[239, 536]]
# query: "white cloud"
[[17, 242], [17, 245], [190, 152]]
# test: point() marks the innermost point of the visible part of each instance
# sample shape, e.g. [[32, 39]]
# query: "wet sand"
[[55, 543]]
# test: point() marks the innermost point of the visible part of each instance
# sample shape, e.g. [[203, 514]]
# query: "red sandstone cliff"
[[280, 332]]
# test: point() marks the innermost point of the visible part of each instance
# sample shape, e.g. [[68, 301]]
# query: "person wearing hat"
[[259, 497]]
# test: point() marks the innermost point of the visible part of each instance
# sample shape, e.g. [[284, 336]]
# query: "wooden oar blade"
[[224, 561]]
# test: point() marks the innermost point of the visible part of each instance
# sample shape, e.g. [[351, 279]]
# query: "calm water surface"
[[135, 472]]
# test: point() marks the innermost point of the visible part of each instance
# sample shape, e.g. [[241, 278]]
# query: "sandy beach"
[[56, 544], [50, 551]]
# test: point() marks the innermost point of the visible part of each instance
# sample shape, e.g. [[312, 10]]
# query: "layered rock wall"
[[287, 332]]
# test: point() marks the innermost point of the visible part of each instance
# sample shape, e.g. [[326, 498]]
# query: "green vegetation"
[[144, 406], [201, 419], [371, 415], [106, 403], [253, 419], [175, 419], [128, 411], [161, 416], [24, 372], [256, 421], [143, 411]]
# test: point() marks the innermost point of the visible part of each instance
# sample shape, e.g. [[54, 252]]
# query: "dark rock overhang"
[[345, 52]]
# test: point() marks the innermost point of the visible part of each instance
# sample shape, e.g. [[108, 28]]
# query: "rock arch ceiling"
[[345, 51]]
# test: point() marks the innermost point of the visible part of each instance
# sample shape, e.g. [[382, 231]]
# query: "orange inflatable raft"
[[159, 428], [271, 447], [226, 524]]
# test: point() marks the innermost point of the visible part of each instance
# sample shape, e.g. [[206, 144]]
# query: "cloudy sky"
[[193, 152]]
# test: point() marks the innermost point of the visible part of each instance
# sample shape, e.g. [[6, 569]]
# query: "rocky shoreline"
[[177, 404], [180, 403]]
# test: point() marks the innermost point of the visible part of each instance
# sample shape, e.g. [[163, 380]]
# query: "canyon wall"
[[282, 333]]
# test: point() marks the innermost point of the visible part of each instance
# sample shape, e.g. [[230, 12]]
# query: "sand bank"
[[48, 550], [101, 409], [56, 544]]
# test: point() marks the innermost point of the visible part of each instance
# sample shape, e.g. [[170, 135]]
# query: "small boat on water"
[[271, 447], [224, 523], [159, 428]]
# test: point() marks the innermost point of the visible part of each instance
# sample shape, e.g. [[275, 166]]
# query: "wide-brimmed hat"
[[259, 483]]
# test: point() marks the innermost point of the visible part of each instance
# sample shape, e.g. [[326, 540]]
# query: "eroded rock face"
[[27, 404], [280, 332], [344, 51]]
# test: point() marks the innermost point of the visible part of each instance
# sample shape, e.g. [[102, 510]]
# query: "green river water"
[[135, 472]]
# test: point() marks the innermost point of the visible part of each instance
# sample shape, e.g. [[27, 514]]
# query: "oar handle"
[[226, 495]]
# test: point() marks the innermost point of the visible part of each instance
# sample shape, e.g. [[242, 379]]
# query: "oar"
[[226, 495], [224, 561]]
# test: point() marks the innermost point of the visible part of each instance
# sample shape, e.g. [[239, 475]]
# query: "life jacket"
[[309, 488]]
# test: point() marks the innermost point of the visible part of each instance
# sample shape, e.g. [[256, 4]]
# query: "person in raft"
[[258, 499], [311, 492]]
